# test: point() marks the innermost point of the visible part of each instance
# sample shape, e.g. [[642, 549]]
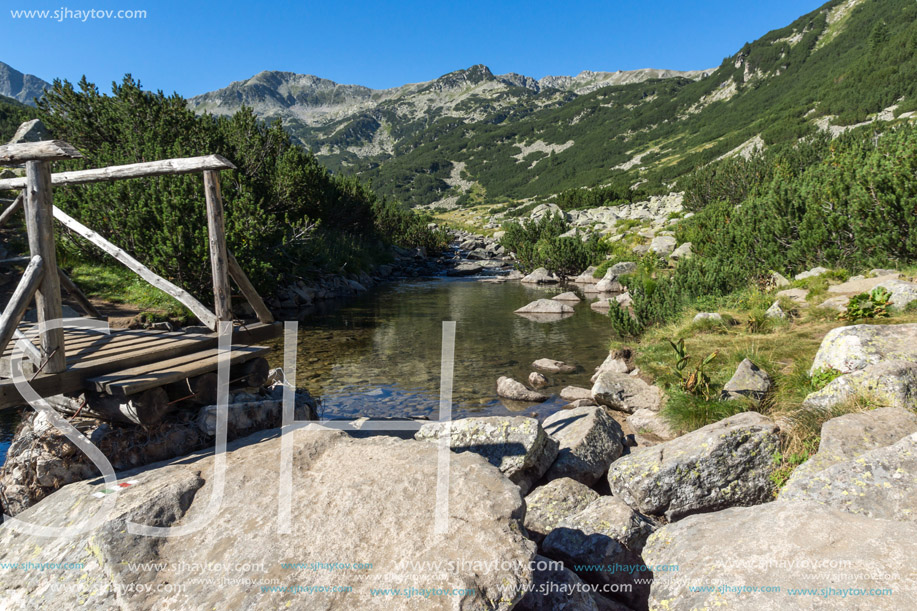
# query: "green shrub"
[[539, 244], [867, 305]]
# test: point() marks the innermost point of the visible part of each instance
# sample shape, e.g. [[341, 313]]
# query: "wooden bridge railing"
[[43, 279]]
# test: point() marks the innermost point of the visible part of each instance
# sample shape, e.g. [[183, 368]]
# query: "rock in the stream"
[[547, 505], [606, 285], [509, 388], [902, 292], [587, 276], [617, 361], [589, 441], [775, 311], [724, 464], [537, 380], [782, 545], [556, 589], [846, 437], [516, 445], [465, 269], [545, 306], [552, 366], [748, 382], [879, 483], [626, 393], [389, 516], [541, 276], [575, 393], [855, 347], [887, 383], [607, 532], [569, 297], [580, 403]]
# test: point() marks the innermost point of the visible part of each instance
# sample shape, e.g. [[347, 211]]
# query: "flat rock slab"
[[851, 348], [859, 284], [587, 276], [545, 306], [569, 297], [795, 295], [721, 465], [547, 505], [887, 383], [553, 366], [646, 421], [516, 445], [625, 393], [902, 292], [812, 273], [782, 545], [369, 501], [575, 393], [589, 441], [541, 276], [879, 483]]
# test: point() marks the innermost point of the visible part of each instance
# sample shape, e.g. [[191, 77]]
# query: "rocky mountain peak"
[[21, 87]]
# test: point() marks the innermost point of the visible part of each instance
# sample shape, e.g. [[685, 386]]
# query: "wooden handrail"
[[46, 150], [134, 170], [20, 300]]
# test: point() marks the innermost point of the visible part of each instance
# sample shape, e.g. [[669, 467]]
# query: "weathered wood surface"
[[216, 231], [20, 300], [74, 291], [248, 290], [30, 350], [184, 297], [134, 170], [200, 390], [73, 379], [46, 150], [38, 215], [11, 210], [145, 409]]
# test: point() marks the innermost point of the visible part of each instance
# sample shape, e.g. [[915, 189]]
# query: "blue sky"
[[193, 47]]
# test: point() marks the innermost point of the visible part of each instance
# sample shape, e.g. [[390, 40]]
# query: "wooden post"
[[217, 232], [248, 290], [39, 217], [20, 300]]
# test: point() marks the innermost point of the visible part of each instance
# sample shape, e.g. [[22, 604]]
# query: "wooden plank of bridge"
[[41, 242], [133, 170], [216, 230], [20, 300], [183, 296]]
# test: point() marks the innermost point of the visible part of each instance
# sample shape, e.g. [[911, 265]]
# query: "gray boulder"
[[556, 589], [569, 297], [782, 545], [887, 383], [626, 393], [797, 296], [724, 464], [846, 437], [389, 513], [713, 316], [587, 276], [879, 483], [509, 388], [552, 366], [775, 311], [607, 285], [682, 252], [601, 305], [748, 382], [663, 245], [547, 505], [537, 380], [812, 273], [589, 441], [545, 306], [647, 422], [617, 361], [902, 292], [607, 532], [31, 131], [779, 280], [855, 347], [575, 393], [465, 269], [516, 445], [624, 267], [541, 276]]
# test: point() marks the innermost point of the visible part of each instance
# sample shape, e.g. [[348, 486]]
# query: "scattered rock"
[[748, 382], [602, 305], [795, 295], [574, 393], [31, 131], [646, 421], [514, 275], [779, 544], [552, 366], [622, 268], [714, 316], [812, 273], [852, 348], [547, 505], [663, 245], [545, 306], [541, 276], [580, 403], [509, 388], [902, 292], [537, 380], [465, 269], [563, 590], [625, 300], [838, 304], [626, 393], [778, 280], [606, 285], [682, 252], [724, 464], [860, 284], [775, 311], [571, 296], [516, 445], [587, 276], [887, 383], [617, 361], [589, 439]]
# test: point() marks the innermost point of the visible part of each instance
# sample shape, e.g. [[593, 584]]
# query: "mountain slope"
[[21, 87]]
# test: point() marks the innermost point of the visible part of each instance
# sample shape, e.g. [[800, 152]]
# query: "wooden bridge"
[[133, 367]]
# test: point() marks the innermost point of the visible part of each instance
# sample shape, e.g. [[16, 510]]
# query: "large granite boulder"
[[724, 464], [748, 382], [846, 437], [879, 483], [617, 361], [514, 390], [887, 383], [547, 505], [371, 501], [648, 422], [802, 548], [602, 544], [541, 276], [663, 245], [589, 441], [587, 277], [569, 297], [545, 306], [516, 445], [812, 273], [852, 348], [626, 393], [556, 589], [902, 292]]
